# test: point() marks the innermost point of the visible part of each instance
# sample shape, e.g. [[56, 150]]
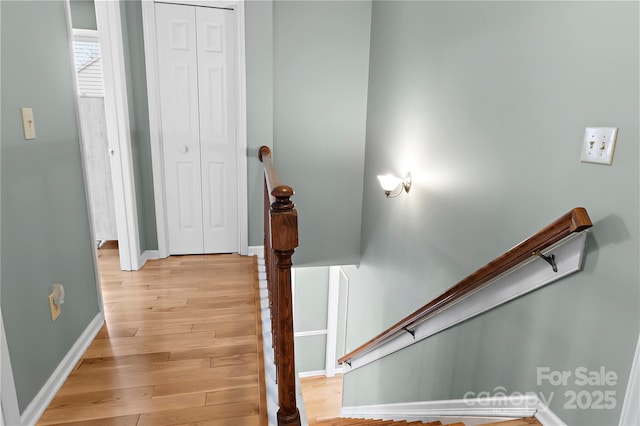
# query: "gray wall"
[[259, 62], [310, 314], [486, 104], [136, 77], [45, 225], [83, 14], [320, 60]]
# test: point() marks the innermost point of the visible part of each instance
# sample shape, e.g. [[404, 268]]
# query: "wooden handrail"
[[280, 241], [270, 174], [575, 220]]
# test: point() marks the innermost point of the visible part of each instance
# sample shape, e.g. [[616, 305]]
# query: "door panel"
[[217, 215], [95, 150], [178, 73], [188, 214], [216, 71]]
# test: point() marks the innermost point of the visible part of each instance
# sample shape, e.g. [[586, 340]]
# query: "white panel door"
[[178, 73], [196, 60], [216, 82], [95, 154]]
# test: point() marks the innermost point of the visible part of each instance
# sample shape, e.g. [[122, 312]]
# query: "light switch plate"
[[55, 309], [28, 125], [598, 145]]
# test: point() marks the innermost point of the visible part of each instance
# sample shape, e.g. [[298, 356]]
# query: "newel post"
[[284, 240]]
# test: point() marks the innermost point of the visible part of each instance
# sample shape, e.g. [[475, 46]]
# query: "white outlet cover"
[[598, 145]]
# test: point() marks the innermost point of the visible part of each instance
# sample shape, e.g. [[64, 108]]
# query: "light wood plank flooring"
[[181, 346], [322, 397]]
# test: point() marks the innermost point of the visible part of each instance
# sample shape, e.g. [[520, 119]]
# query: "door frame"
[[630, 414], [155, 120], [8, 396], [116, 105]]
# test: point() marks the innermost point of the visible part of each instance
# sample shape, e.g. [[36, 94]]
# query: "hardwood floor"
[[322, 397], [181, 345]]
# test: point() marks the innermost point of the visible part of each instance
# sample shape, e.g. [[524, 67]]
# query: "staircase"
[[342, 421]]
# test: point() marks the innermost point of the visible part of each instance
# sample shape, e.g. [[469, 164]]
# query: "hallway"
[[181, 345]]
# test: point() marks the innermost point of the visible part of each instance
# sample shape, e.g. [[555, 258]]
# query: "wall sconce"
[[390, 183]]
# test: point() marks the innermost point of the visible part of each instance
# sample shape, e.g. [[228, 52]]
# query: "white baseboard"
[[315, 373], [148, 255], [471, 411], [41, 401], [318, 373], [256, 251]]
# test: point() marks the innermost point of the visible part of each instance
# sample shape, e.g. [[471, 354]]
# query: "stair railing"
[[574, 221], [280, 241]]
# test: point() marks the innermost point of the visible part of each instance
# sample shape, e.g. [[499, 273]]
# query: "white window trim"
[[88, 35]]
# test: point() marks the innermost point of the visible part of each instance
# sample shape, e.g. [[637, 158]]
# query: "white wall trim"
[[241, 116], [310, 333], [293, 295], [346, 316], [332, 320], [472, 411], [83, 33], [118, 132], [41, 401], [155, 118], [527, 277], [630, 415], [256, 251], [315, 373]]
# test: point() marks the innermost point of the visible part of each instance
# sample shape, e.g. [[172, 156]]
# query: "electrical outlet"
[[55, 309], [599, 144]]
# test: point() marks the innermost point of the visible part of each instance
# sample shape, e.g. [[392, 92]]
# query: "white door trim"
[[630, 409], [155, 118], [9, 396], [118, 132]]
